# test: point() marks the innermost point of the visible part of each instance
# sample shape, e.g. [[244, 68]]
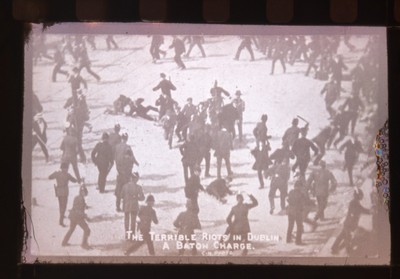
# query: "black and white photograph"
[[184, 143]]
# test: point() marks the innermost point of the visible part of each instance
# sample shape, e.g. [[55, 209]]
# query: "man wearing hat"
[[240, 105], [78, 217], [187, 111], [102, 157], [62, 178], [321, 182], [146, 215], [131, 194], [165, 85]]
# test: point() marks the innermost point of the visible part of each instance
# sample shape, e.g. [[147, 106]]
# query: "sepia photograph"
[[208, 144]]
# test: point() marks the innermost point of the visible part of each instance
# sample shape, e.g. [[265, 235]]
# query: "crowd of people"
[[210, 129]]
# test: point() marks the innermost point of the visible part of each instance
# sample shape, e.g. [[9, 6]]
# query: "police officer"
[[131, 194], [279, 181], [124, 161], [321, 182], [321, 140], [102, 157], [78, 217], [147, 215], [62, 178]]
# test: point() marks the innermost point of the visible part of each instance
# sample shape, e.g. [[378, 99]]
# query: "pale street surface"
[[130, 71]]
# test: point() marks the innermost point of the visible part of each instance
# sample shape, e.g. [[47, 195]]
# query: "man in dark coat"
[[353, 149], [321, 140], [62, 178], [179, 48], [332, 91], [186, 223], [238, 220], [156, 42], [69, 147], [321, 182], [260, 131], [115, 138], [39, 135], [165, 85], [192, 189], [196, 40], [187, 112], [84, 61], [279, 181], [240, 106], [102, 157], [292, 133], [355, 106], [190, 157], [131, 194], [124, 161], [204, 144], [301, 149], [139, 110], [168, 122], [223, 146], [60, 61], [350, 223], [78, 217], [246, 43], [296, 204], [219, 189], [340, 125], [76, 82], [147, 215], [262, 162]]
